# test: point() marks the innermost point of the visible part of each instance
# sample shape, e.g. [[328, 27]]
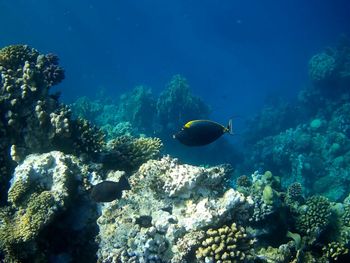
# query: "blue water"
[[235, 54]]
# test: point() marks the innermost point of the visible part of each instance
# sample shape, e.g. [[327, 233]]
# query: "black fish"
[[201, 132], [144, 221], [108, 191]]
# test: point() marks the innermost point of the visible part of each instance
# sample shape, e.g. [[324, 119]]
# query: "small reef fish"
[[108, 191], [201, 132]]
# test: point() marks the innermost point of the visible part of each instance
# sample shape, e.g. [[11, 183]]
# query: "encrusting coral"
[[41, 189]]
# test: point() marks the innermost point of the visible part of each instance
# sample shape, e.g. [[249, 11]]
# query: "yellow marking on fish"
[[189, 124]]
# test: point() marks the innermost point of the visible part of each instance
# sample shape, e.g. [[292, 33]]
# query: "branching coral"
[[294, 192], [132, 152], [176, 105], [334, 250], [12, 56], [88, 109], [226, 244], [87, 138], [139, 108], [53, 74], [314, 216]]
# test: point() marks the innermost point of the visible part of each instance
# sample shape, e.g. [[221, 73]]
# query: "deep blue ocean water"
[[235, 54]]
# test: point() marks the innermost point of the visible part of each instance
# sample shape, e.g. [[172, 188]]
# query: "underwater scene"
[[177, 131]]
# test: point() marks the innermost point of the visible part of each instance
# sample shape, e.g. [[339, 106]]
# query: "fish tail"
[[229, 127]]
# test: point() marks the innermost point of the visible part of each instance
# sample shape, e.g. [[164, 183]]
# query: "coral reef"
[[139, 108], [32, 120], [130, 152], [313, 150], [133, 114], [314, 156], [176, 105], [322, 67], [42, 189], [179, 199], [332, 67], [50, 161]]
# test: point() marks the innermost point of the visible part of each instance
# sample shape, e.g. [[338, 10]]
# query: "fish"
[[202, 132], [108, 191], [144, 221]]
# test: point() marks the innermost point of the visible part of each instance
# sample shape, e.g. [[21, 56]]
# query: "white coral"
[[50, 171], [208, 212], [180, 198]]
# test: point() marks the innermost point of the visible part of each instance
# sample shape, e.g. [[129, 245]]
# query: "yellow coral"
[[335, 249], [226, 244], [14, 56]]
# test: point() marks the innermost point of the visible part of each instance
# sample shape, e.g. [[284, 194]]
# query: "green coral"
[[226, 244], [176, 105], [134, 151], [281, 254], [12, 57], [139, 108], [85, 108], [87, 137], [334, 250], [20, 228], [268, 195], [346, 216], [314, 216]]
